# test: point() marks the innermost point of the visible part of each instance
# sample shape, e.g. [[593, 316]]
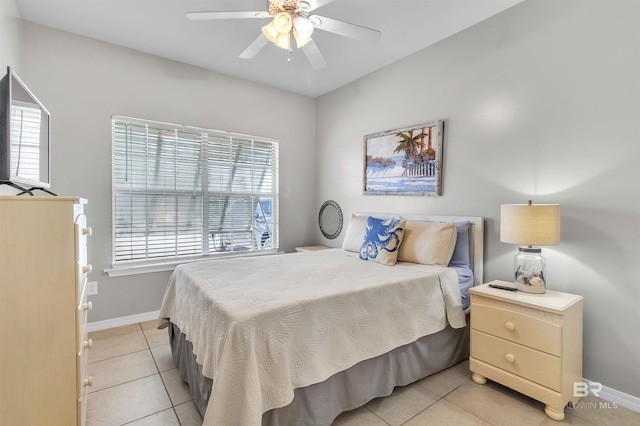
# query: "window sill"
[[148, 268]]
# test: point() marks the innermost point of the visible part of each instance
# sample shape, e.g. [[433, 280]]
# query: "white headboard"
[[476, 236]]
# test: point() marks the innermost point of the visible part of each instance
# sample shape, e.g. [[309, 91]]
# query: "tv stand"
[[25, 190]]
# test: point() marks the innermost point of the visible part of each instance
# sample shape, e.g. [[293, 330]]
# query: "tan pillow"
[[355, 233], [428, 243]]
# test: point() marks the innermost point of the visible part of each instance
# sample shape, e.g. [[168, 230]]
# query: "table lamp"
[[531, 225]]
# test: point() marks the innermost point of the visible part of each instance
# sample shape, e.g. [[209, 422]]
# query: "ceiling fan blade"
[[254, 47], [314, 4], [345, 29], [314, 55], [201, 16]]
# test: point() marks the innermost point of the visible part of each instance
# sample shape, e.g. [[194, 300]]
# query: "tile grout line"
[[444, 397], [89, 362], [164, 385], [173, 407], [125, 382], [157, 373], [422, 411], [118, 356], [371, 411]]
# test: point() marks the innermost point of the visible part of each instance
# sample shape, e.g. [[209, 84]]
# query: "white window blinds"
[[25, 140], [182, 192]]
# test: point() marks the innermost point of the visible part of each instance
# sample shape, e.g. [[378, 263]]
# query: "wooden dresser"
[[43, 311], [529, 342]]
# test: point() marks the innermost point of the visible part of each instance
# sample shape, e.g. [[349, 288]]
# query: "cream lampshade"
[[531, 225]]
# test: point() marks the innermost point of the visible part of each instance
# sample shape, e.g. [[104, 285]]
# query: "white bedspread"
[[264, 326]]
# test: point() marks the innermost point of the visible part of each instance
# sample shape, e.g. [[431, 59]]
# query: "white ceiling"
[[159, 27]]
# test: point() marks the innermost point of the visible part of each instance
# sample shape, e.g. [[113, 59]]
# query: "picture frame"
[[405, 161]]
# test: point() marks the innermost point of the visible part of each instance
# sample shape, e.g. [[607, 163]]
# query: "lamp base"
[[530, 270], [531, 288]]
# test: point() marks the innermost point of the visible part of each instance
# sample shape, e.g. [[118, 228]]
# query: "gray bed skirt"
[[321, 403]]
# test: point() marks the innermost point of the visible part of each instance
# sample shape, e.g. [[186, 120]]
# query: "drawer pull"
[[510, 358], [87, 269], [87, 306], [87, 344], [509, 326], [88, 381], [87, 231]]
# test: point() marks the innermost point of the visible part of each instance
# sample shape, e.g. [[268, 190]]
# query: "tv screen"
[[24, 136]]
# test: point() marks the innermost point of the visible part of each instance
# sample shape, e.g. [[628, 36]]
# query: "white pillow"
[[355, 233], [428, 243]]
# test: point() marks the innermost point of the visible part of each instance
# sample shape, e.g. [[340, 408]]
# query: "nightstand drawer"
[[527, 363], [535, 329]]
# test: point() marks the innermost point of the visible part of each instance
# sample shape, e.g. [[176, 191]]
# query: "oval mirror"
[[330, 219]]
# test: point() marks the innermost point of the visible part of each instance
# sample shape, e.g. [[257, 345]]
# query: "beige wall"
[[10, 36], [84, 82], [541, 102]]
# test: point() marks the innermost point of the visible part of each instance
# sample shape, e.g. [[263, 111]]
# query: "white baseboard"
[[118, 322], [612, 395], [608, 394]]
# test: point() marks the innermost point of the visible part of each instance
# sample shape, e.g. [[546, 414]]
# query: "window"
[[183, 192]]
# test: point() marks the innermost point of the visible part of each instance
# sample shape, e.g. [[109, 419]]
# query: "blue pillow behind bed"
[[460, 255]]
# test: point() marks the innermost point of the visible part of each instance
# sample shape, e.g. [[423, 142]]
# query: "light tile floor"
[[136, 383]]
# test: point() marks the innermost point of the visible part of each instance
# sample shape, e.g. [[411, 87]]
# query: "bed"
[[298, 338]]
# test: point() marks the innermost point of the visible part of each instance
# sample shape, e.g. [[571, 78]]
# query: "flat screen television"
[[25, 137]]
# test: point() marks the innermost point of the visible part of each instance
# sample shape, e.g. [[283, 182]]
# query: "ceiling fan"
[[291, 18]]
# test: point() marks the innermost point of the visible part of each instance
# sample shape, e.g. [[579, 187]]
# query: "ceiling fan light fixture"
[[300, 42], [302, 30], [282, 22], [270, 32], [283, 40], [291, 18]]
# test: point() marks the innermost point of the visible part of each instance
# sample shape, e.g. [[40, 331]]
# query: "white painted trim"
[[612, 395], [118, 322], [121, 271]]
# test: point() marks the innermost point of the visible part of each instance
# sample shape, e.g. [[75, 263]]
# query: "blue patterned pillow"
[[382, 240]]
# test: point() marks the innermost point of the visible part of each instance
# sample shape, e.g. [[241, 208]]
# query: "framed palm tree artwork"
[[405, 161]]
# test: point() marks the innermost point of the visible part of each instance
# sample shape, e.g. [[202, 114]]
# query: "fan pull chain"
[[289, 57]]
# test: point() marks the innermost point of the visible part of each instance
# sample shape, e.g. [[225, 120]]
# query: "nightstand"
[[311, 248], [531, 343]]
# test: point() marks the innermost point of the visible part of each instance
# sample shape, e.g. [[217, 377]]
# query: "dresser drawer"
[[84, 384], [82, 360], [82, 308], [84, 343], [525, 362], [82, 232], [84, 380], [535, 329], [82, 275]]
